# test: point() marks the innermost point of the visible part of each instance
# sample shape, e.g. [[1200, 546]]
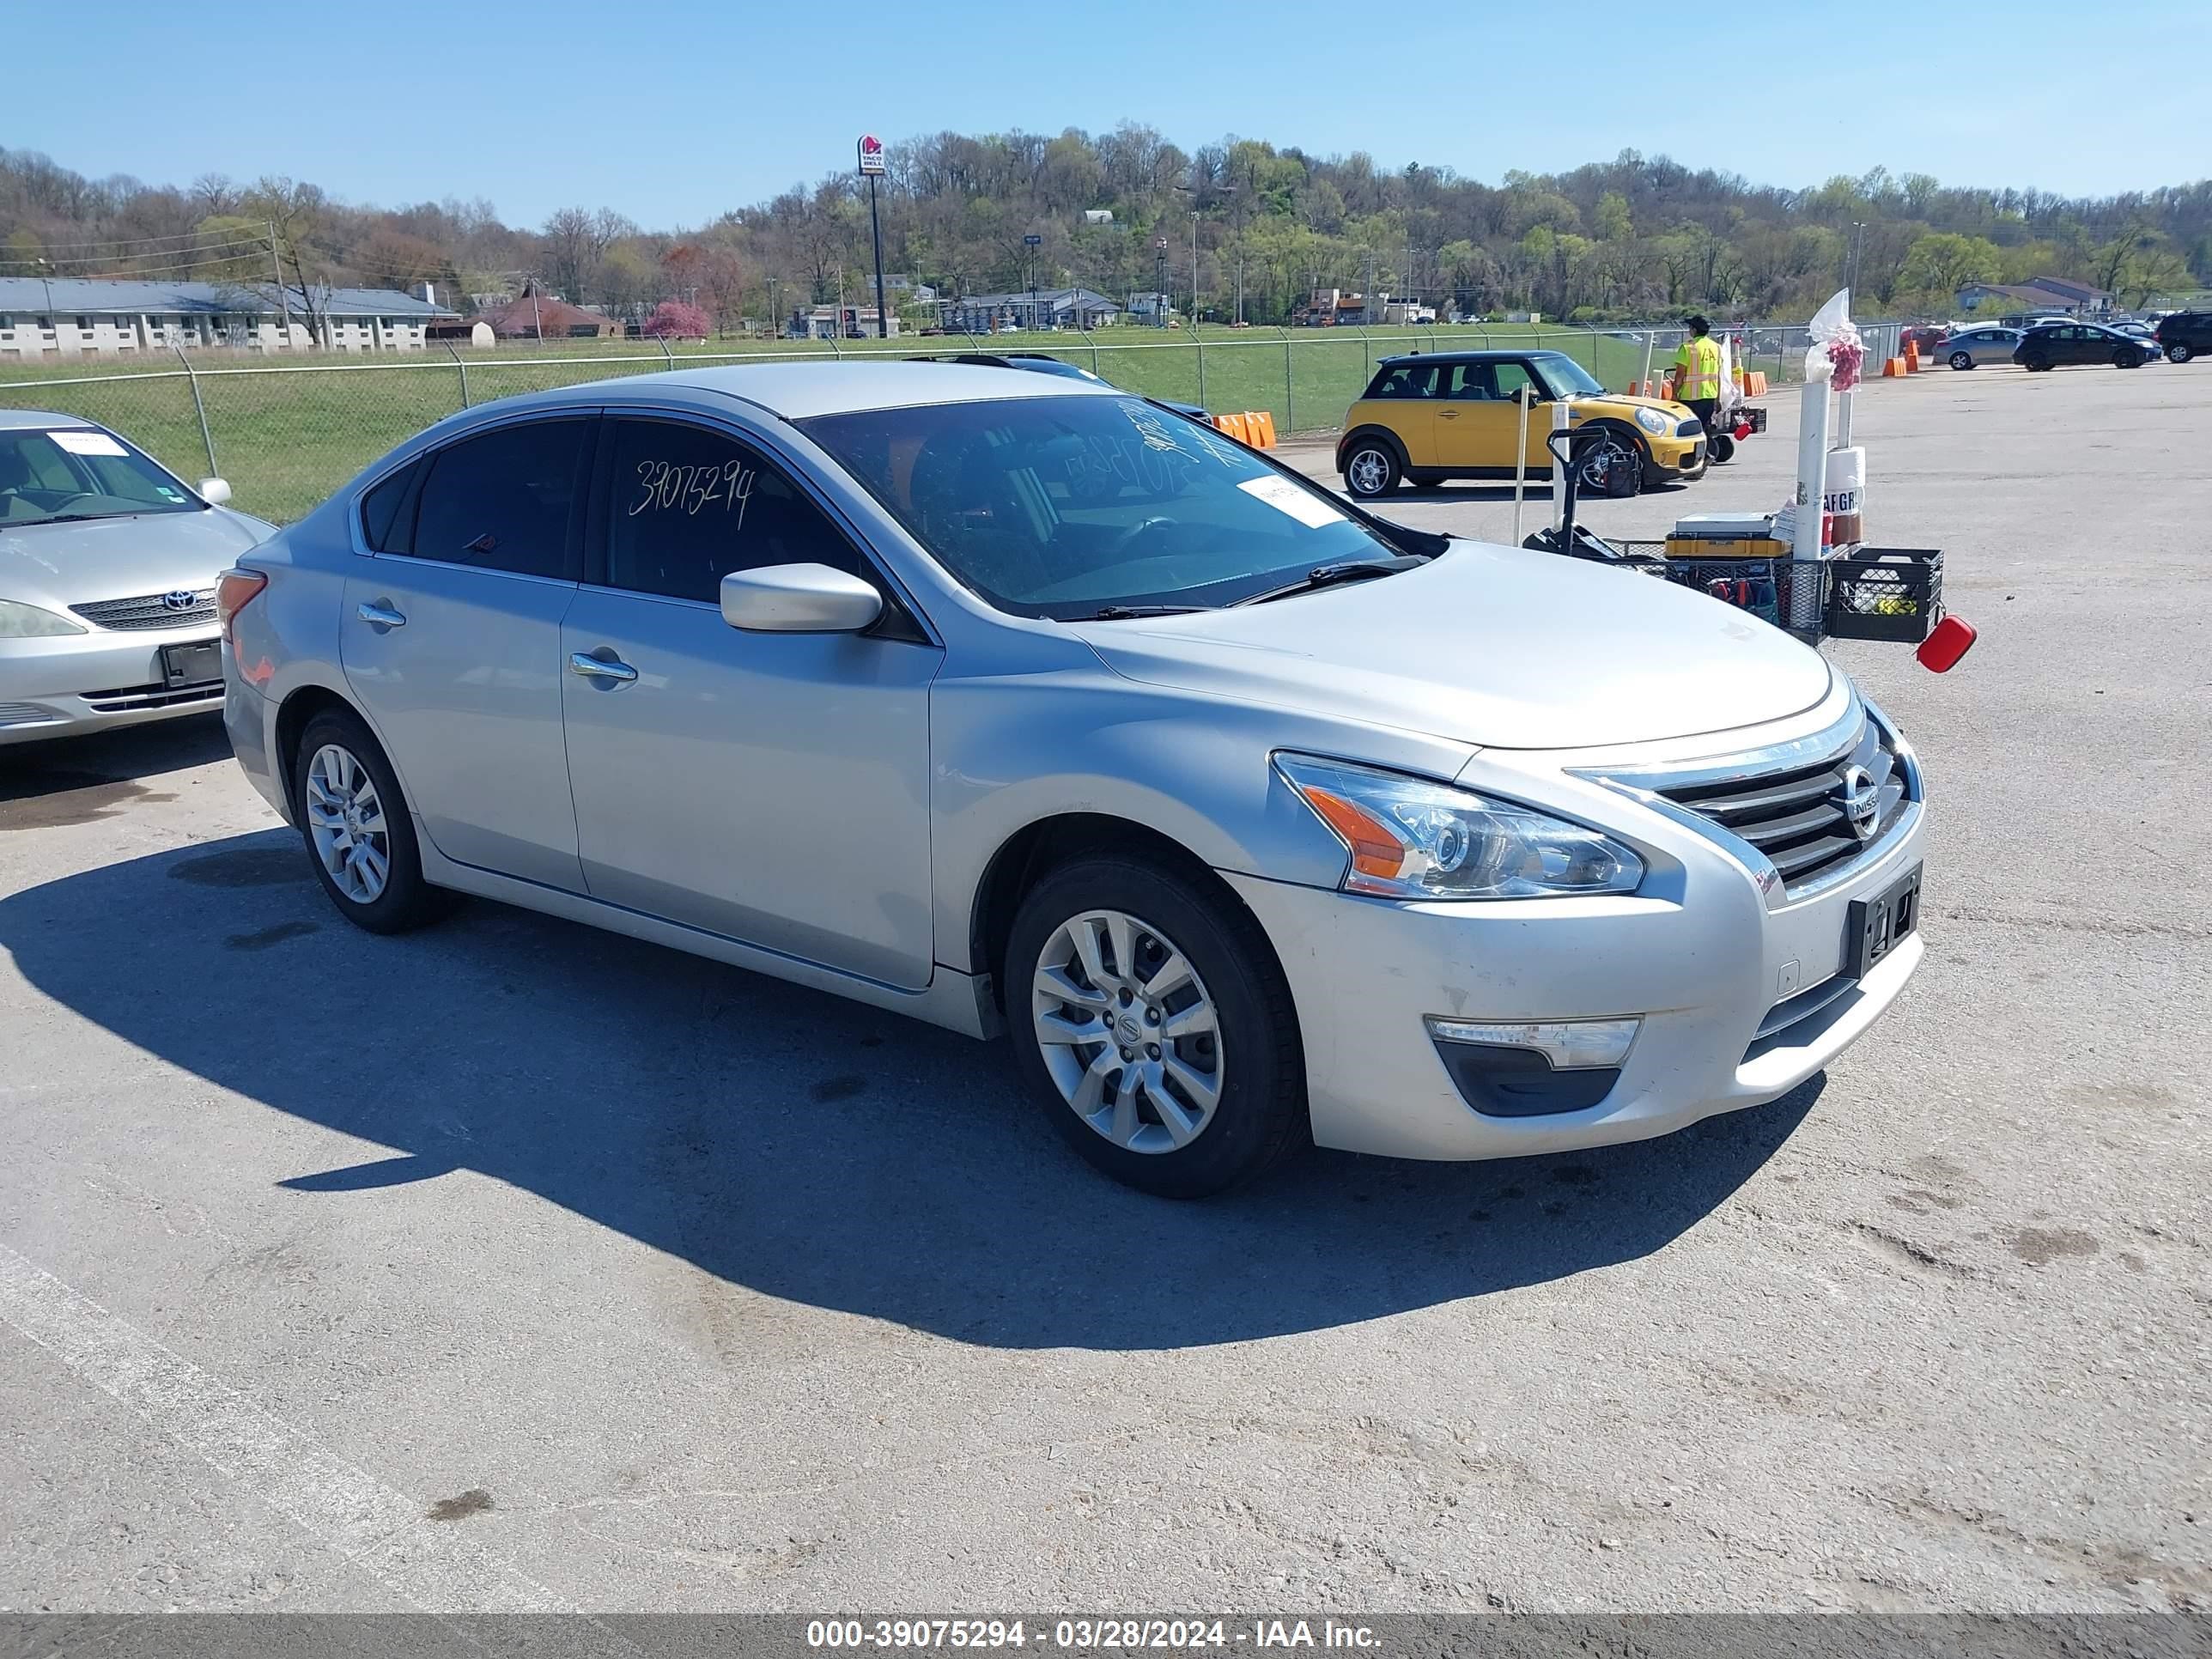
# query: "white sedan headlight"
[[1651, 420], [27, 622], [1410, 838]]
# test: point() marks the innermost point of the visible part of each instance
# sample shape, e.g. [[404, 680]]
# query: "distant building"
[[823, 323], [93, 317], [2037, 294], [1048, 307], [537, 315]]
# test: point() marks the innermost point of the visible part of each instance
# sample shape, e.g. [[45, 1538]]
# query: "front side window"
[[688, 505], [1066, 507], [74, 473], [1511, 378], [505, 500]]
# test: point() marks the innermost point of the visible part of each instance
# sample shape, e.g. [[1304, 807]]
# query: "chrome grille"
[[1797, 817], [151, 610]]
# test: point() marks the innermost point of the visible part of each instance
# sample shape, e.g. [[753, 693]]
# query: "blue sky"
[[713, 106]]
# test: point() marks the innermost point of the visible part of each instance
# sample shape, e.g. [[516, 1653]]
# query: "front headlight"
[[27, 622], [1651, 420], [1410, 838]]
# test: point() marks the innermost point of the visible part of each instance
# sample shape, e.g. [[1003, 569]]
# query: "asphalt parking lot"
[[510, 1266]]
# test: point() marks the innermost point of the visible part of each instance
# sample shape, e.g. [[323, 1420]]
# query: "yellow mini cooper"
[[1454, 415]]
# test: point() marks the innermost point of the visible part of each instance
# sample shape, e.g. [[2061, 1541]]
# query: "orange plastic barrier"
[[1232, 424], [1912, 357], [1758, 387], [1265, 420], [1893, 368]]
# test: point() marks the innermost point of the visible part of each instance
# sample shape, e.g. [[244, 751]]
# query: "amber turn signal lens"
[[1374, 850]]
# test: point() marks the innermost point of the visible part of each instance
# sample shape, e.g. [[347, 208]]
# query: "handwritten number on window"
[[666, 487]]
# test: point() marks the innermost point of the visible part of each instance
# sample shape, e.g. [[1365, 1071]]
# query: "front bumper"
[[1702, 956], [82, 682]]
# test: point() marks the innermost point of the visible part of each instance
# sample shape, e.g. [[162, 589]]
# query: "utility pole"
[[1193, 270], [277, 269], [1858, 242]]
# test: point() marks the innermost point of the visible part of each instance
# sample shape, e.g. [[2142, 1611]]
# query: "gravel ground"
[[514, 1265]]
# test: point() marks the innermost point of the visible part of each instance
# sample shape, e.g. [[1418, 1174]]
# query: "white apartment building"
[[75, 317]]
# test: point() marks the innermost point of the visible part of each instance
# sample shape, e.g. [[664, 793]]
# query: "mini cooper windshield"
[[1081, 507]]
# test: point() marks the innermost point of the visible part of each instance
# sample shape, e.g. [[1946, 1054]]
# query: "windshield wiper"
[[1122, 612], [1346, 570], [72, 518]]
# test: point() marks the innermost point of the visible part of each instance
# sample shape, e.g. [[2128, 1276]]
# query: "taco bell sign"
[[872, 154]]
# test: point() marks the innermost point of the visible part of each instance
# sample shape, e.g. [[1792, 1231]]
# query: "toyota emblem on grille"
[[1861, 801], [182, 598]]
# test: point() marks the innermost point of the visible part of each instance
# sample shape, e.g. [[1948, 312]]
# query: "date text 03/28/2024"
[[1087, 1635]]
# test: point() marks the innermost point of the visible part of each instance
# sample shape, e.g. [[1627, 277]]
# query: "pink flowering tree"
[[675, 320]]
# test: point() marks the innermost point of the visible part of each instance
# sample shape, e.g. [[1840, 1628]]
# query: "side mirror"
[[799, 598], [215, 492]]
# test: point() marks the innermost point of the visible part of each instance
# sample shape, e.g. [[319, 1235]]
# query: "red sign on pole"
[[872, 154]]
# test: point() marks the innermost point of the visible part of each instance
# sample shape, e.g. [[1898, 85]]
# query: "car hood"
[[1498, 647], [54, 566]]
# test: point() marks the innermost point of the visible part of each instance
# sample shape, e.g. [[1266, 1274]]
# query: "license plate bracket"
[[1875, 926], [192, 664]]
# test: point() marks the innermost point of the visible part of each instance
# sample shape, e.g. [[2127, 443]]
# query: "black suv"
[[2185, 334]]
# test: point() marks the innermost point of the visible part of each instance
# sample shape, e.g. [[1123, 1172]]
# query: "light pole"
[[46, 280], [1858, 242]]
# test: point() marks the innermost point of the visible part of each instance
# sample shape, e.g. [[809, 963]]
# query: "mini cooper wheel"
[[1371, 469], [357, 829], [1613, 468], [1155, 1026], [1962, 359]]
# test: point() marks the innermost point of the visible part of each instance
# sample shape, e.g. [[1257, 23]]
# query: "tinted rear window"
[[504, 500]]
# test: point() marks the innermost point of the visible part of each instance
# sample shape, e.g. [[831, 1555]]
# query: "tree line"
[[1632, 239]]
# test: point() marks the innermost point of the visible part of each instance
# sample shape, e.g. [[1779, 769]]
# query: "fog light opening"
[[1567, 1044]]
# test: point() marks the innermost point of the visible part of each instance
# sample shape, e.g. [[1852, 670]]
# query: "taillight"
[[232, 589]]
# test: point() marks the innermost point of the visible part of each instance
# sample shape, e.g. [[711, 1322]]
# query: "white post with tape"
[[1812, 486], [1521, 461], [1559, 417]]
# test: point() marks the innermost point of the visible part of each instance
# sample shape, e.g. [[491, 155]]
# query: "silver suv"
[[1035, 708]]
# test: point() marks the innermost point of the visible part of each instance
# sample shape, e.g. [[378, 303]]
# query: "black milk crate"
[[1886, 594], [1761, 587]]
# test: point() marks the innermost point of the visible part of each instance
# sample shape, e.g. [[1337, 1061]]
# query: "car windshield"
[[68, 473], [1069, 507], [1565, 377]]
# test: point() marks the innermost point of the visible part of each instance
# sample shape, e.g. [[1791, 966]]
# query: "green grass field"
[[287, 431]]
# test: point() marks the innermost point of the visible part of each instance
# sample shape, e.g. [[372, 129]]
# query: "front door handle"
[[382, 614], [601, 668], [1447, 413]]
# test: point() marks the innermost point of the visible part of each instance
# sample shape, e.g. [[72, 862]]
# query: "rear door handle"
[[382, 614], [601, 668]]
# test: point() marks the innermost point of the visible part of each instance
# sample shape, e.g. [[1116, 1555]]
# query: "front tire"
[[1962, 359], [1154, 1025], [1371, 469], [359, 834], [1615, 468], [2127, 357]]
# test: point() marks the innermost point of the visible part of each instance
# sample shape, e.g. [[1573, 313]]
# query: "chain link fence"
[[287, 435]]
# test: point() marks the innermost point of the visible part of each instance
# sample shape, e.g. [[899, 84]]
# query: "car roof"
[[16, 420], [1491, 356], [799, 392]]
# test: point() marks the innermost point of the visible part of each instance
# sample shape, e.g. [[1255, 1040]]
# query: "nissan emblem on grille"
[[1861, 799], [181, 599]]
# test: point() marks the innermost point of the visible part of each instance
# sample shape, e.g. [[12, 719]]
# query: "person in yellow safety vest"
[[1698, 373]]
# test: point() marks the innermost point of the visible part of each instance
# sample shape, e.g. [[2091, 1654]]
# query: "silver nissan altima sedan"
[[108, 568], [1022, 705]]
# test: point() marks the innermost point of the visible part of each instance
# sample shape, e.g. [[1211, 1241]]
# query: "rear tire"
[[1371, 469], [359, 833], [2180, 352], [1961, 360], [1176, 1115]]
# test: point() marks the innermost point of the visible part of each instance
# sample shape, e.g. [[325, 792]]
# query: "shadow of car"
[[797, 1144]]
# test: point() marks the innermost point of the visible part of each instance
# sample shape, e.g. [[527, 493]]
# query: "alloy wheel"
[[1127, 1031], [345, 819], [1369, 473]]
